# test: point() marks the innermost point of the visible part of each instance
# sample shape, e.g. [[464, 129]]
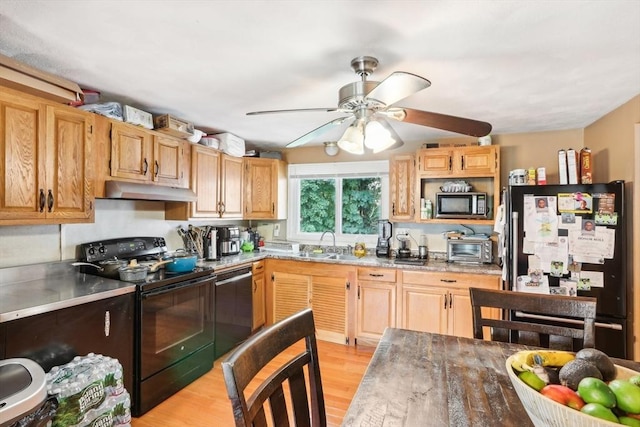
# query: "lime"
[[599, 411]]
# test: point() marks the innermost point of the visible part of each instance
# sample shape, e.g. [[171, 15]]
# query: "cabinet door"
[[261, 188], [69, 179], [290, 294], [401, 183], [231, 191], [435, 162], [205, 173], [460, 314], [424, 308], [329, 303], [167, 160], [476, 161], [376, 309], [131, 152], [258, 295], [22, 151], [54, 338]]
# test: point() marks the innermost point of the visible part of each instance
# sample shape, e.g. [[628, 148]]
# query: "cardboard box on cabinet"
[[19, 76]]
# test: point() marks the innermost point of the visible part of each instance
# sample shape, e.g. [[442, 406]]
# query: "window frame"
[[363, 169]]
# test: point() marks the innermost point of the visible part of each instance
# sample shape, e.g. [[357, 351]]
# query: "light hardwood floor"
[[204, 403]]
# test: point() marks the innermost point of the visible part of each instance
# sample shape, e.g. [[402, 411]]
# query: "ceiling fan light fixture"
[[352, 141], [331, 148], [378, 136]]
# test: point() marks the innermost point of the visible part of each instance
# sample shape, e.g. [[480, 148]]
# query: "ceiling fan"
[[369, 105]]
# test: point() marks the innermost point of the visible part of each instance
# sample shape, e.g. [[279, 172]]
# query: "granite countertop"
[[40, 288]]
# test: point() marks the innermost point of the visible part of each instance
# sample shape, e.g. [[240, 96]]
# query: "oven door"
[[175, 322]]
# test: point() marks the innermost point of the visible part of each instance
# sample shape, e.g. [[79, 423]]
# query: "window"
[[345, 198]]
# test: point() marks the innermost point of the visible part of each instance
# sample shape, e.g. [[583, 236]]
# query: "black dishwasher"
[[234, 309]]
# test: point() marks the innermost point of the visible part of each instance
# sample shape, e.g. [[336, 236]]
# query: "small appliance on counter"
[[228, 240], [383, 249], [404, 248], [474, 249], [210, 244]]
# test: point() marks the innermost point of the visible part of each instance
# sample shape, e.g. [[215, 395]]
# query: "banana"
[[526, 360]]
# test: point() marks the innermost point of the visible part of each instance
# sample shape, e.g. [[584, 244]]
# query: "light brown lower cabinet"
[[297, 285], [440, 302], [376, 303]]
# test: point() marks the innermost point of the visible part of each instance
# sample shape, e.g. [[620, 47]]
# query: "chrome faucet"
[[334, 240]]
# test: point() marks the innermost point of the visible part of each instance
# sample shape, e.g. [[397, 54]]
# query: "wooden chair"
[[577, 314], [249, 358]]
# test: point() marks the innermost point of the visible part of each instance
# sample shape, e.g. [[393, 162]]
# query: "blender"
[[384, 235]]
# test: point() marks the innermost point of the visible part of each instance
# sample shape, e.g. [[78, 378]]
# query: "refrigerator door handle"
[[514, 250], [616, 326]]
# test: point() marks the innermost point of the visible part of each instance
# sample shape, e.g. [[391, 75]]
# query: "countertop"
[[40, 288]]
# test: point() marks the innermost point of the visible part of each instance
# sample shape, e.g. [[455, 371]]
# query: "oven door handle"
[[234, 279], [175, 287]]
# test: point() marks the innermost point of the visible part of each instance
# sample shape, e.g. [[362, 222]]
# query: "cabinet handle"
[[255, 286], [358, 291], [221, 209], [157, 169], [42, 200], [450, 300], [376, 275], [445, 301], [448, 280], [107, 323], [450, 163], [145, 169], [273, 208], [50, 201], [393, 208], [462, 163]]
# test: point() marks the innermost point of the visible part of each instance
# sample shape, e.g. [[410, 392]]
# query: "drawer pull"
[[448, 280], [376, 275]]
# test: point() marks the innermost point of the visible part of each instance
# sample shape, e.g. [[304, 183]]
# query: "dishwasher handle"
[[233, 279]]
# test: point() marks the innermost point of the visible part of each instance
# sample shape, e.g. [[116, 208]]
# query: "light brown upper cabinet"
[[461, 162], [216, 178], [46, 158], [265, 191], [141, 155], [401, 185], [478, 165]]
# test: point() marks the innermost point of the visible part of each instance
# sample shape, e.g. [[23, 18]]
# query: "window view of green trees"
[[360, 205]]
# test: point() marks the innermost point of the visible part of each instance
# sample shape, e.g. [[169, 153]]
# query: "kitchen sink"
[[315, 255], [344, 257]]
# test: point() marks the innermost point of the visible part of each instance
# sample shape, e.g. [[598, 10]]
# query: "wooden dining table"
[[426, 379]]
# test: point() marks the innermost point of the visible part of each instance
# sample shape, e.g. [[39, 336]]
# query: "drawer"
[[453, 280], [377, 274], [257, 267]]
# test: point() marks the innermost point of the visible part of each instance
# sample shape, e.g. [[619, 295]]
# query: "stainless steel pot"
[[137, 273]]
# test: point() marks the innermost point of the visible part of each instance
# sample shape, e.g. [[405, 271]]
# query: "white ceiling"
[[523, 66]]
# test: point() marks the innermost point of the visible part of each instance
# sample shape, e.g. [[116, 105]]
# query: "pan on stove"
[[180, 262]]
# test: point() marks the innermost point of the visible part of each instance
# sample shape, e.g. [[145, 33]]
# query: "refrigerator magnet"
[[603, 218], [577, 202]]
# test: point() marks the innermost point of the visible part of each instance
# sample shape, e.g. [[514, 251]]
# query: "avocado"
[[601, 360], [574, 371]]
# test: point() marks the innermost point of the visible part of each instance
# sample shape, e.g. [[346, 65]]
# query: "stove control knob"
[[91, 251], [102, 249]]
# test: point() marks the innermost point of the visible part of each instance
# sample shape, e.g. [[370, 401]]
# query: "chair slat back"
[[244, 363], [579, 312]]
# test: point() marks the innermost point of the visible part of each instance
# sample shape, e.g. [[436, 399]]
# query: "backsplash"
[[24, 245]]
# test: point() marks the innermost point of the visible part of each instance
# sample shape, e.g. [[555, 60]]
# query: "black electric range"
[[142, 249]]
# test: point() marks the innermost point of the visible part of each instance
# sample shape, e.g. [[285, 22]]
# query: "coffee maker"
[[228, 240], [383, 249]]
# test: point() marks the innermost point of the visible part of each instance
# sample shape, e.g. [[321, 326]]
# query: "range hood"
[[135, 191]]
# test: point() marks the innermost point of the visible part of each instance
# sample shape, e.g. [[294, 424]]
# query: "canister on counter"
[[531, 176], [586, 176]]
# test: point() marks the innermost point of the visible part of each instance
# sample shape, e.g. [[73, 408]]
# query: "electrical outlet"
[[276, 230]]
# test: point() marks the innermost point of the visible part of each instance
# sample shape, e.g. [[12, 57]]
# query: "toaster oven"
[[476, 251]]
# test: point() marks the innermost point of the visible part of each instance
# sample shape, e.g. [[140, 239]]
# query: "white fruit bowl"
[[545, 412]]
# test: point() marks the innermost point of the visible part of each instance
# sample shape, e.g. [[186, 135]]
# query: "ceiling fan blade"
[[298, 110], [316, 132], [398, 86], [441, 121]]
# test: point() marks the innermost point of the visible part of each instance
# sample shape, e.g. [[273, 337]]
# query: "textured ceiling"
[[523, 66]]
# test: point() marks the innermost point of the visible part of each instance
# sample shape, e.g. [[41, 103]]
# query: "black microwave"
[[461, 205]]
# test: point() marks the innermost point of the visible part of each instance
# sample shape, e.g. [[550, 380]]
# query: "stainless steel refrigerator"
[[571, 239]]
